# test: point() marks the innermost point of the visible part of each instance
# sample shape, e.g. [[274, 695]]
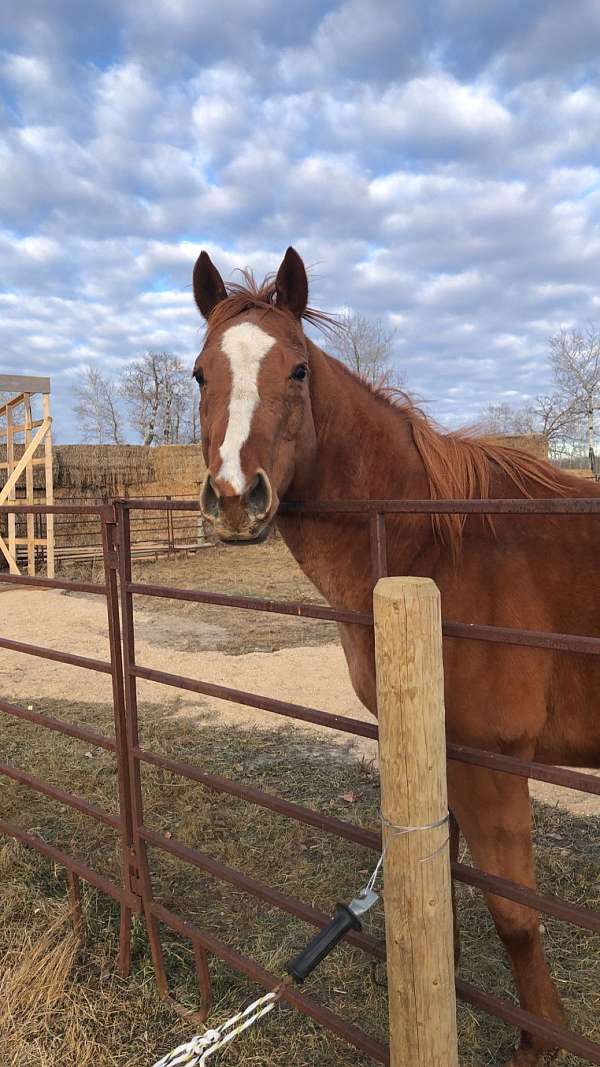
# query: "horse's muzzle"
[[242, 518]]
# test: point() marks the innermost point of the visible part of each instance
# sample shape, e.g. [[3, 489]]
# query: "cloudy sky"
[[437, 163]]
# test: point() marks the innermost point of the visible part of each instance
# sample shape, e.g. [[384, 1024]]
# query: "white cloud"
[[444, 178], [438, 115]]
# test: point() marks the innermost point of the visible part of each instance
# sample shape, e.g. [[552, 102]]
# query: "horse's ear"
[[291, 284], [208, 284]]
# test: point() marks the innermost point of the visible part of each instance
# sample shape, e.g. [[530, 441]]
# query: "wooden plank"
[[23, 383], [49, 478], [23, 386], [12, 402], [34, 463], [21, 427], [30, 519], [12, 563], [12, 519], [14, 475], [78, 555]]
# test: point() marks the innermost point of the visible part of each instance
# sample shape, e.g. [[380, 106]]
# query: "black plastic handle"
[[323, 943]]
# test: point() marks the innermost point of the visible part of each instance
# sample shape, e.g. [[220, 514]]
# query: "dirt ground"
[[282, 656]]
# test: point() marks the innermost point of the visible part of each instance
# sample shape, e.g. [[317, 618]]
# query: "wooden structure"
[[28, 444], [414, 809]]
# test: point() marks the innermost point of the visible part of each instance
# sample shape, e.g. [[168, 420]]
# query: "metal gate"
[[135, 893]]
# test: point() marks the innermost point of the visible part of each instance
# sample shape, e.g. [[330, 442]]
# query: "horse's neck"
[[365, 450]]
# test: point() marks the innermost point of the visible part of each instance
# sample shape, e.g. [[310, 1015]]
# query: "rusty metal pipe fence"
[[124, 894], [134, 894]]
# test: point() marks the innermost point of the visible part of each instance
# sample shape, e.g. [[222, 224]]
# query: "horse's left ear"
[[291, 284]]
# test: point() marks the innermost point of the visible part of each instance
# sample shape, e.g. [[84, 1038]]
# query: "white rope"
[[200, 1048], [197, 1051]]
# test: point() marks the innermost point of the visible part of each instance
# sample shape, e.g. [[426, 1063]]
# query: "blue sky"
[[437, 163]]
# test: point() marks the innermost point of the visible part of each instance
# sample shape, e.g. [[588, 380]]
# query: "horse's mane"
[[249, 293], [461, 465], [464, 465]]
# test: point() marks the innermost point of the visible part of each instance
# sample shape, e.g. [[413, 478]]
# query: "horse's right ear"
[[208, 284]]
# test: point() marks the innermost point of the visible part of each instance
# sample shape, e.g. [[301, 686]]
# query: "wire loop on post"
[[398, 830]]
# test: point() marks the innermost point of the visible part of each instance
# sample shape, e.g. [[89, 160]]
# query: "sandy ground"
[[314, 675]]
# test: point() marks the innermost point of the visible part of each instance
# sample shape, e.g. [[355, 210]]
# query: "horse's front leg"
[[494, 814]]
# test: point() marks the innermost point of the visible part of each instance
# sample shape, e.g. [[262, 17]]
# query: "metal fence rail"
[[154, 533], [143, 836], [137, 890], [125, 894], [376, 511]]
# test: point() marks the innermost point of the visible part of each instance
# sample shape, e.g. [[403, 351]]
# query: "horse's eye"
[[199, 376], [299, 372]]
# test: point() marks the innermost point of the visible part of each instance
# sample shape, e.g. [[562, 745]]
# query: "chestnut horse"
[[281, 420]]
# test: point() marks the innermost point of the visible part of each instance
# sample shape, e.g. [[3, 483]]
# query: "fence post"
[[417, 897]]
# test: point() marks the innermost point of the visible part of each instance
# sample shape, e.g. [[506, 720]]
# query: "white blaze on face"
[[245, 346]]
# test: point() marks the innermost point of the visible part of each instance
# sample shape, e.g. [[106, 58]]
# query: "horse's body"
[[337, 439], [530, 572]]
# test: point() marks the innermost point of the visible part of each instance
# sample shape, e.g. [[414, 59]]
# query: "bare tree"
[[547, 415], [505, 419], [367, 347], [192, 423], [558, 420], [575, 358], [156, 390], [140, 390], [96, 408]]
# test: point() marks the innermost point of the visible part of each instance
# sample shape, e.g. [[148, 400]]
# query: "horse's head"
[[255, 410]]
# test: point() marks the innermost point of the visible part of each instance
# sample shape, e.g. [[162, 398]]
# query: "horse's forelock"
[[249, 295]]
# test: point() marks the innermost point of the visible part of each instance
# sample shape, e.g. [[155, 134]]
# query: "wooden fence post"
[[417, 897]]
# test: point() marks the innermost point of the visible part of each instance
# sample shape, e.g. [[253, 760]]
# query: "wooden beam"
[[12, 563], [30, 519], [8, 487], [12, 402], [23, 468], [35, 463], [22, 426], [25, 540], [11, 553], [23, 383], [49, 485]]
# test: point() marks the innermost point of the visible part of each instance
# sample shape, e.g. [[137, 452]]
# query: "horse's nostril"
[[209, 498], [260, 496]]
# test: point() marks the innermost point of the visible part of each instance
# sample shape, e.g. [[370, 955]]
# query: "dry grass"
[[267, 570], [102, 471], [75, 1011], [35, 979]]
